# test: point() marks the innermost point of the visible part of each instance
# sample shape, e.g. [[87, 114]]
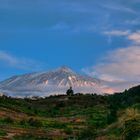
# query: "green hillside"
[[77, 117]]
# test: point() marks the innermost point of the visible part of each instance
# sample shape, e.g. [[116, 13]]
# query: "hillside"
[[80, 117]]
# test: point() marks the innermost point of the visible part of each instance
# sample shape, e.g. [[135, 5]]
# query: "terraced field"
[[78, 117]]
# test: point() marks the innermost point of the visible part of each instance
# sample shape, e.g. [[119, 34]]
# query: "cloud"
[[133, 22], [135, 37], [117, 33], [60, 26], [120, 65], [132, 36], [9, 60], [119, 7], [119, 70]]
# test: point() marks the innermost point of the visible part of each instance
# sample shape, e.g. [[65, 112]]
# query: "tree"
[[70, 92]]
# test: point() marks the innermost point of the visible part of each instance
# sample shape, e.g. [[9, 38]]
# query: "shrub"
[[132, 129], [8, 120], [68, 130], [131, 124], [112, 116], [87, 134], [34, 122], [2, 133], [23, 122]]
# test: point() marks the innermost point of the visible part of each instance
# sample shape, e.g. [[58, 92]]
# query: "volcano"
[[51, 83]]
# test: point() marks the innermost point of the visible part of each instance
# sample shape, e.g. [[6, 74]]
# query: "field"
[[78, 117]]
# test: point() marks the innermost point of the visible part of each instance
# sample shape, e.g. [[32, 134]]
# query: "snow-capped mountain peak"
[[65, 69], [52, 82]]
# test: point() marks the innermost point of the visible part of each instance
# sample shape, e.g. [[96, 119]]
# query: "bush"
[[2, 133], [68, 130], [23, 122], [132, 129], [112, 116], [131, 124], [34, 122], [8, 120], [88, 134]]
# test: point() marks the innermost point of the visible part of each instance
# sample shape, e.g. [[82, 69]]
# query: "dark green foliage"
[[34, 122], [23, 122], [2, 133], [70, 92], [132, 129], [98, 119], [68, 131], [112, 115], [52, 106], [88, 133], [8, 120], [58, 125]]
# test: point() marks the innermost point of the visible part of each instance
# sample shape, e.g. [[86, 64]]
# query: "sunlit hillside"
[[75, 117]]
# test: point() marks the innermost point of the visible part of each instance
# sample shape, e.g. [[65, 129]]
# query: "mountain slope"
[[53, 82]]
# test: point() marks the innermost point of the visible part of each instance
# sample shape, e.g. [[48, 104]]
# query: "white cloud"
[[132, 36], [119, 65], [119, 8], [133, 22], [60, 26], [9, 60], [119, 70], [135, 37], [117, 33]]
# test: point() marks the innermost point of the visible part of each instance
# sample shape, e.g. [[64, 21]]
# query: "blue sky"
[[91, 37]]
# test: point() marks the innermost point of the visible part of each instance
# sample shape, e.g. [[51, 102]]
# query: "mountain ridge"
[[51, 82]]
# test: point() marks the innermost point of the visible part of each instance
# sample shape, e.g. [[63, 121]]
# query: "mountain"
[[50, 83]]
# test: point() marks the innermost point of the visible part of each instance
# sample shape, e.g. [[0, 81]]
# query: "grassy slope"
[[61, 117]]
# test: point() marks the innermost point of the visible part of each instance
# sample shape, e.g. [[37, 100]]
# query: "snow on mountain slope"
[[50, 83]]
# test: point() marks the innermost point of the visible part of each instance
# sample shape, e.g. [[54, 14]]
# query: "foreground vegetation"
[[77, 117]]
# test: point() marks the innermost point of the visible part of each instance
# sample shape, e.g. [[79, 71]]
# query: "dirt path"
[[11, 132], [9, 136]]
